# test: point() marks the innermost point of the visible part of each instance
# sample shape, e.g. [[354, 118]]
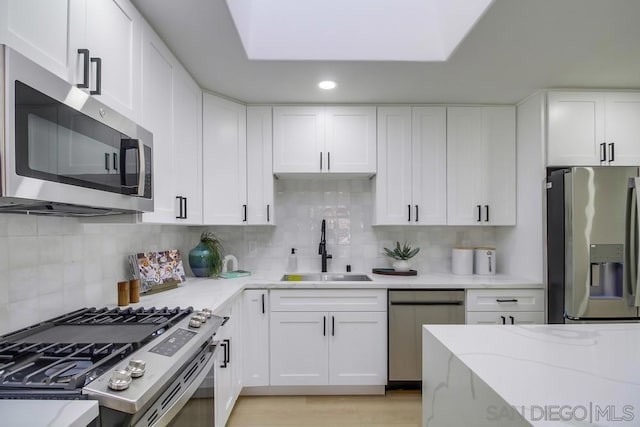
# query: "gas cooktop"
[[66, 353]]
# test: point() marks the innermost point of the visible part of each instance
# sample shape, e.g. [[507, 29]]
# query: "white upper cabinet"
[[172, 111], [622, 128], [593, 128], [410, 185], [481, 162], [39, 30], [575, 128], [157, 96], [324, 139], [224, 161], [187, 148], [112, 32], [260, 208]]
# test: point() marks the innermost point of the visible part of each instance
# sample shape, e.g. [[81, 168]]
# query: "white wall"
[[49, 266], [522, 247]]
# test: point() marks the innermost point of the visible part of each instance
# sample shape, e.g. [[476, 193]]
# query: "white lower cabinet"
[[228, 367], [255, 334], [328, 337], [505, 306]]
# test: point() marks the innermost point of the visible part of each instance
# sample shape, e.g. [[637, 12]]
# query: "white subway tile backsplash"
[[50, 226], [22, 225], [50, 278], [23, 284], [73, 248], [49, 249]]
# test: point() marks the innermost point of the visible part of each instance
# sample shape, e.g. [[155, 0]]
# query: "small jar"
[[134, 291], [123, 293]]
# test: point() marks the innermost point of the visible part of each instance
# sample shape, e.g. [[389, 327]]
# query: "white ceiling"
[[517, 47]]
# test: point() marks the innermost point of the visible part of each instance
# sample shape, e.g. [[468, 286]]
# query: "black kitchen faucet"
[[322, 249]]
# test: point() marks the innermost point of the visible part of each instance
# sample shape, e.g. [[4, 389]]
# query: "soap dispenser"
[[293, 261]]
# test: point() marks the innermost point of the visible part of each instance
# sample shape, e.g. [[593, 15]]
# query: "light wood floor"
[[396, 408]]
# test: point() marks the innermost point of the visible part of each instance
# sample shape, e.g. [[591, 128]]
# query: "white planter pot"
[[401, 265]]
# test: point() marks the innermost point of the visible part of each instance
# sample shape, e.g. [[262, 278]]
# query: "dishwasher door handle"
[[420, 303]]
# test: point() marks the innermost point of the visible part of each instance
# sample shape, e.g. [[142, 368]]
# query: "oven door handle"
[[189, 391]]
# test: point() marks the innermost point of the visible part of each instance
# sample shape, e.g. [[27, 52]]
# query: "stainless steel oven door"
[[189, 400]]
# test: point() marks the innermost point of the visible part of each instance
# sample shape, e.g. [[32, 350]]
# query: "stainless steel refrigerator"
[[592, 245]]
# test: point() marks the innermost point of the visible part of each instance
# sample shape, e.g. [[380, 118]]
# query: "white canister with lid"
[[484, 260], [462, 260]]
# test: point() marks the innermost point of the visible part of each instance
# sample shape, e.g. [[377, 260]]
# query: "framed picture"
[[158, 271]]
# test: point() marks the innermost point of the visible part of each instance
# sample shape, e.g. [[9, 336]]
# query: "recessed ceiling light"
[[327, 84]]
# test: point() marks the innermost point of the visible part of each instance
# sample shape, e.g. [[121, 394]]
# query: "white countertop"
[[583, 368], [214, 293], [50, 413]]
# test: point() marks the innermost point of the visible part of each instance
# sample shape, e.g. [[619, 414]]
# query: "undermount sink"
[[325, 277]]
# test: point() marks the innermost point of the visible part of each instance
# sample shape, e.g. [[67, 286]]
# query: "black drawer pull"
[[506, 300]]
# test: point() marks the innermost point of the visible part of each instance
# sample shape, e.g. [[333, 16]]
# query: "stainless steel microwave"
[[65, 153]]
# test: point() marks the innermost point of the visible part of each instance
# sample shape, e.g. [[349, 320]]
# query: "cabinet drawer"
[[505, 300], [505, 318], [328, 300]]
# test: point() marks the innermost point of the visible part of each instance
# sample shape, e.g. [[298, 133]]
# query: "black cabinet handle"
[[85, 77], [603, 152], [506, 300], [185, 207], [179, 198], [321, 160], [262, 303], [268, 219], [416, 213], [244, 208], [98, 62], [504, 321], [106, 161], [115, 162], [228, 341], [224, 359], [225, 319], [328, 160], [324, 326], [612, 153], [486, 212], [513, 321], [409, 213], [333, 326], [479, 213]]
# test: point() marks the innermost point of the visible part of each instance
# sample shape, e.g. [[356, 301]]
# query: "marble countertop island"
[[531, 375]]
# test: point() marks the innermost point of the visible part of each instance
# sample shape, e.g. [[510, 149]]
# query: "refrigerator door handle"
[[631, 243]]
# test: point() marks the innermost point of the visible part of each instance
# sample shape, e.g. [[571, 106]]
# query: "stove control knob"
[[206, 312], [194, 322], [136, 368], [201, 317], [120, 380]]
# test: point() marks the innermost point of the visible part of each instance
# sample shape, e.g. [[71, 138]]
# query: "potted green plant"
[[205, 259], [401, 255]]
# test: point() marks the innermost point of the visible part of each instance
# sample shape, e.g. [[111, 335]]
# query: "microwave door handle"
[[125, 146], [142, 172]]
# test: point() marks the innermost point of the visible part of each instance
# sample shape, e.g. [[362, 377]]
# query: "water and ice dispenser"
[[606, 270]]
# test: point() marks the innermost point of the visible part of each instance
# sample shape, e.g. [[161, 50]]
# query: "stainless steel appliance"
[[591, 213], [144, 366], [408, 311], [65, 153]]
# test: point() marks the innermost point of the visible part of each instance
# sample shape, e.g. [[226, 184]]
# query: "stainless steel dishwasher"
[[408, 311]]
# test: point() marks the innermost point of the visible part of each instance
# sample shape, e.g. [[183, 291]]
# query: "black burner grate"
[[68, 352]]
